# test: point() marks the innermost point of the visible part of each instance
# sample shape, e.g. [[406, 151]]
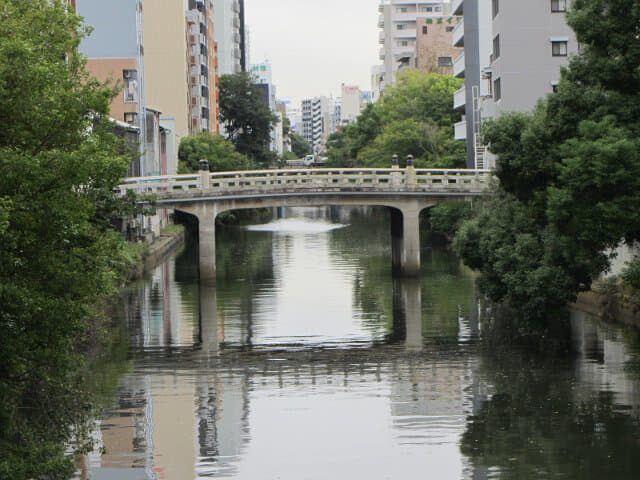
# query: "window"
[[437, 9], [424, 29], [449, 28], [424, 8], [559, 48], [558, 5], [403, 43], [496, 47], [497, 91], [401, 26], [401, 9], [495, 7], [130, 78], [445, 62]]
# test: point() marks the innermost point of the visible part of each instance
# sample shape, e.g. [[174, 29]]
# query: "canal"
[[307, 360]]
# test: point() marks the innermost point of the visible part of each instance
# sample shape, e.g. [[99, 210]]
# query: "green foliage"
[[58, 254], [447, 217], [569, 174], [299, 145], [415, 117], [631, 274], [221, 154], [247, 120]]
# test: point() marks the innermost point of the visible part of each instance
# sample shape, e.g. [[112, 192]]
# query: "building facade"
[[320, 118], [434, 50], [513, 53], [398, 23], [230, 35], [262, 75]]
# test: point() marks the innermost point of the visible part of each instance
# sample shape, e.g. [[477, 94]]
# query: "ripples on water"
[[311, 362]]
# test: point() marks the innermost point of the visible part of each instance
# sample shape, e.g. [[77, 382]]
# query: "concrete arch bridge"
[[405, 191]]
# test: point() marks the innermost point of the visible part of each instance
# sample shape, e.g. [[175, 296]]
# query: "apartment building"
[[513, 52], [398, 21], [230, 35], [434, 51], [180, 63], [531, 41]]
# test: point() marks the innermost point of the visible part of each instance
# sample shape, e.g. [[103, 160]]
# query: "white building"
[[352, 104], [230, 35], [397, 21]]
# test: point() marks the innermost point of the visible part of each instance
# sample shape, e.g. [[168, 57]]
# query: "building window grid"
[[496, 47], [558, 5]]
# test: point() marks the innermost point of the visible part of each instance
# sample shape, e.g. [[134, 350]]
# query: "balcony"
[[460, 131], [456, 7], [458, 66], [380, 21], [459, 98], [458, 35], [381, 38]]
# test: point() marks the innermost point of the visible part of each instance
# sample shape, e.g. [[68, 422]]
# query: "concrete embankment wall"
[[607, 307], [159, 250]]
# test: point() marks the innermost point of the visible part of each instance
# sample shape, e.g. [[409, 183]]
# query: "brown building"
[[434, 51]]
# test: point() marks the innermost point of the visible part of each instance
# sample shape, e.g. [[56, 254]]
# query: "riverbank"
[[607, 300], [170, 238]]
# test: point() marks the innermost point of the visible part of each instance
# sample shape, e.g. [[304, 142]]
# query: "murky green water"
[[308, 361]]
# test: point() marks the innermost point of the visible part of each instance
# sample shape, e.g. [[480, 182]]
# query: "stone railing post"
[[205, 175], [412, 179], [396, 175]]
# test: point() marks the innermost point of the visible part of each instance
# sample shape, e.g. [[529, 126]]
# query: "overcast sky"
[[314, 45]]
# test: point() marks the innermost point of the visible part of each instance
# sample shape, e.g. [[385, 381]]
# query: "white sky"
[[314, 45]]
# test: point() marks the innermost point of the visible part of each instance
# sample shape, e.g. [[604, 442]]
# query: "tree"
[[246, 118], [58, 255], [221, 154], [415, 117], [299, 145], [569, 187]]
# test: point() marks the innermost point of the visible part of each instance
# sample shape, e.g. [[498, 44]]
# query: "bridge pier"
[[206, 214], [405, 241]]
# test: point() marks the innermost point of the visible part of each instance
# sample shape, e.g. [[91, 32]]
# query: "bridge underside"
[[405, 214]]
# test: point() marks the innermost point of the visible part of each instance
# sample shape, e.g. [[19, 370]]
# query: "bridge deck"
[[255, 183]]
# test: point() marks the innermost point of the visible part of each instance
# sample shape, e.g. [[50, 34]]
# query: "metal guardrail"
[[261, 182]]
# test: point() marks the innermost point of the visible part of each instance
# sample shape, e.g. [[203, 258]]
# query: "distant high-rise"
[[230, 35], [320, 118]]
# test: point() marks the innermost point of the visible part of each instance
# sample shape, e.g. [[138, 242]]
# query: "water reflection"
[[307, 360]]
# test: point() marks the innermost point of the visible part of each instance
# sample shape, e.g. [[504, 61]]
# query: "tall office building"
[[230, 35], [513, 52], [398, 36]]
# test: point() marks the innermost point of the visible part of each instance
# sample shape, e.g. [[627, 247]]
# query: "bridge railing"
[[326, 179]]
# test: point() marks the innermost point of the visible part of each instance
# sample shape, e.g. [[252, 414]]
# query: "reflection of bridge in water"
[[216, 386], [405, 191]]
